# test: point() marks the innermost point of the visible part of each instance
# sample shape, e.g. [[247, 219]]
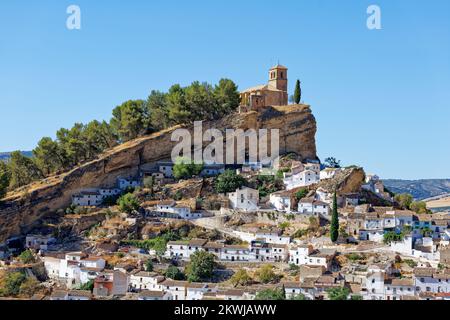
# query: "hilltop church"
[[274, 93]]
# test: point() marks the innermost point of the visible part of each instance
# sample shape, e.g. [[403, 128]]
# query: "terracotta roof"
[[401, 282], [232, 292], [214, 245], [235, 246], [184, 243], [197, 242], [167, 203], [291, 284], [59, 294], [80, 293], [278, 66], [146, 274], [424, 272], [174, 283]]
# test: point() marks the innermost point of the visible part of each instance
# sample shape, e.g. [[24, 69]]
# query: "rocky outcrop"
[[21, 209], [346, 181]]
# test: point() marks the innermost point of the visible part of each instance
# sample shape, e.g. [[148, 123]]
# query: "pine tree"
[[334, 230], [297, 92]]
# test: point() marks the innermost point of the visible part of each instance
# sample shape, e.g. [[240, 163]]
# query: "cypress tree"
[[297, 92], [334, 230]]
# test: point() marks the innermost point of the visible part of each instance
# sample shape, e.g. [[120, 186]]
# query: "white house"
[[195, 291], [93, 197], [272, 236], [301, 179], [143, 280], [88, 198], [171, 208], [235, 253], [429, 280], [281, 201], [38, 242], [245, 199], [306, 255], [177, 250], [375, 285], [175, 289], [313, 207], [76, 268], [395, 289]]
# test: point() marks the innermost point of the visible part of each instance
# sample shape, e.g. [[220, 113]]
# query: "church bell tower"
[[278, 78]]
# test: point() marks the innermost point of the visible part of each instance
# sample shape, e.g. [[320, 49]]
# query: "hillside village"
[[177, 231]]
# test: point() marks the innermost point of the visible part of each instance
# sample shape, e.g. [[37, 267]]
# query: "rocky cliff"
[[22, 208]]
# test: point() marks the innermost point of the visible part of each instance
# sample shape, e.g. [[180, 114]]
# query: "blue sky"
[[380, 97]]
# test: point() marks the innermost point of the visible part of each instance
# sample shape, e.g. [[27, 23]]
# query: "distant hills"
[[4, 156], [420, 189]]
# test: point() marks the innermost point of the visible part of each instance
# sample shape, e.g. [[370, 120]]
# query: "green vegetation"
[[404, 200], [271, 294], [10, 284], [266, 274], [149, 265], [338, 293], [419, 207], [26, 257], [297, 92], [240, 278], [299, 195], [4, 179], [334, 229], [267, 184], [356, 297], [128, 203], [355, 257], [284, 225], [410, 263], [392, 236], [174, 273], [185, 169], [22, 170], [229, 181], [332, 162], [201, 267], [133, 118], [89, 286]]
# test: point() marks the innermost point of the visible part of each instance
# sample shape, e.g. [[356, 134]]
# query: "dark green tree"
[[334, 228], [174, 273], [338, 293], [297, 92], [49, 156], [185, 169], [4, 179], [229, 181], [270, 294], [128, 203], [201, 267], [149, 265], [332, 162], [23, 170], [156, 105], [130, 120], [227, 97]]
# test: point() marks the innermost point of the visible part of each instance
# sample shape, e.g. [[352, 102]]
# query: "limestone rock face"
[[22, 208]]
